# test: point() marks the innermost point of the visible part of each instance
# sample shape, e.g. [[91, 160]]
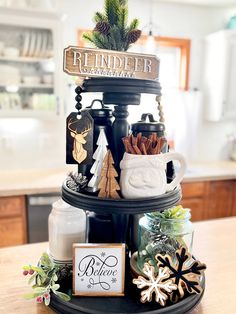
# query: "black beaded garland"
[[78, 98]]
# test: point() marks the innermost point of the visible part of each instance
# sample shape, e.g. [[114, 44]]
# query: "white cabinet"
[[31, 75], [220, 75]]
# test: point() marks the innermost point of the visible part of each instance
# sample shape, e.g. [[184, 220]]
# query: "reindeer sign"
[[79, 139]]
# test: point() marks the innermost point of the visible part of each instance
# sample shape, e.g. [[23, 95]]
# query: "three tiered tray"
[[121, 93]]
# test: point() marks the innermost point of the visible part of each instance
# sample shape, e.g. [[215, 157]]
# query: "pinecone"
[[133, 36], [64, 272], [71, 185], [76, 181], [103, 28]]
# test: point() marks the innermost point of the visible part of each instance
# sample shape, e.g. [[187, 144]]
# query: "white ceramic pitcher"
[[145, 175]]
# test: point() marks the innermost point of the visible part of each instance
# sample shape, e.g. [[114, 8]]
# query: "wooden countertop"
[[29, 182], [214, 244], [40, 181], [210, 171]]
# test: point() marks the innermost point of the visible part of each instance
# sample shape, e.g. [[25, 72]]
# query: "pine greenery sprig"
[[112, 30]]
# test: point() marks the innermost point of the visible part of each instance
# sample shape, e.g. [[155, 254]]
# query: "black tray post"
[[120, 228], [120, 128]]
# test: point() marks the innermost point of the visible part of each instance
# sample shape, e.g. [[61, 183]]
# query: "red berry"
[[25, 272], [31, 271], [46, 296], [39, 299]]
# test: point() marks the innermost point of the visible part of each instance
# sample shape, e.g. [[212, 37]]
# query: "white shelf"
[[36, 13], [28, 113], [26, 19], [25, 59], [36, 86]]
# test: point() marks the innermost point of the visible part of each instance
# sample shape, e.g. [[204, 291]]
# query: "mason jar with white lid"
[[66, 225]]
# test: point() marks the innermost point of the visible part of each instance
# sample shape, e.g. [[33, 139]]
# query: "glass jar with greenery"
[[163, 233]]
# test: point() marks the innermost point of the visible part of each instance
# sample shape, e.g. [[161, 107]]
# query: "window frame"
[[183, 44]]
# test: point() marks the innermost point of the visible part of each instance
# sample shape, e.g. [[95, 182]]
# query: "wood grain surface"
[[13, 229], [90, 62], [214, 244]]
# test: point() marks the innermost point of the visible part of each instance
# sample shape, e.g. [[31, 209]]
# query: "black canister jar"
[[102, 118], [148, 127]]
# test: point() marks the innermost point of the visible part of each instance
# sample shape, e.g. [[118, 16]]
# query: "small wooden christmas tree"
[[99, 156], [108, 184]]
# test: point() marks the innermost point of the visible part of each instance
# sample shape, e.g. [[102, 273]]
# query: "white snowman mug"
[[145, 175]]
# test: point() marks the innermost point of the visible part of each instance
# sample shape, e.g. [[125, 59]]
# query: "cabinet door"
[[11, 231], [197, 208], [220, 199], [12, 221], [11, 206], [230, 91], [215, 75], [194, 198], [220, 75], [234, 200]]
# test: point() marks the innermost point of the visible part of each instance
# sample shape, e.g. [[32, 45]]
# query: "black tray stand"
[[121, 93]]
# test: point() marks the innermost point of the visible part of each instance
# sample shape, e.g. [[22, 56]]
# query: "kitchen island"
[[209, 189], [214, 245]]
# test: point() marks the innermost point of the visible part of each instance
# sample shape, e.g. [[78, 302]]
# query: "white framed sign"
[[98, 269]]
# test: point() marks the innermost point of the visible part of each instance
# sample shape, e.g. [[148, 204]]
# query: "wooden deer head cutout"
[[79, 153], [79, 139]]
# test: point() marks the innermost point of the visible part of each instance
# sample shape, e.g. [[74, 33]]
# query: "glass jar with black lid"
[[102, 118], [148, 125]]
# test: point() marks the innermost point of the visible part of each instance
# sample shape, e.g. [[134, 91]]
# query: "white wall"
[[32, 143], [173, 20]]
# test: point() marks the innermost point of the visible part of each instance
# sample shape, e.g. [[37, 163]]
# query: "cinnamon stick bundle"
[[141, 145]]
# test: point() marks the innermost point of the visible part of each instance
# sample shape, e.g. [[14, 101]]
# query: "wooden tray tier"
[[121, 85], [121, 206], [122, 305]]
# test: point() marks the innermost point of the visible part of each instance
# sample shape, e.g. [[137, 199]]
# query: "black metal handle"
[[147, 115], [99, 100]]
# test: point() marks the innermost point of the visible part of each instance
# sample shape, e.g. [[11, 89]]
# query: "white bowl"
[[31, 79], [47, 78], [11, 52], [2, 45], [10, 75]]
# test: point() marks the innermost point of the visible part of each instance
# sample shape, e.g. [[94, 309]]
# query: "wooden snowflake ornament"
[[185, 272], [156, 285]]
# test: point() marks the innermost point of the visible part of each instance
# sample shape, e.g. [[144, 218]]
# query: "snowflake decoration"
[[155, 285], [113, 280], [185, 272], [98, 264], [103, 254], [89, 286]]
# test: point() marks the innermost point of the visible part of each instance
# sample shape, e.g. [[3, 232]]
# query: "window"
[[174, 54]]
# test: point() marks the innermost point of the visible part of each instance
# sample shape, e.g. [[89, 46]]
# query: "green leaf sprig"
[[45, 277], [176, 212]]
